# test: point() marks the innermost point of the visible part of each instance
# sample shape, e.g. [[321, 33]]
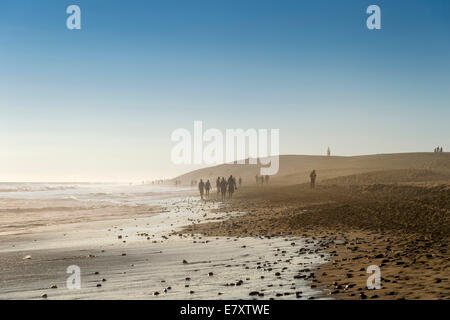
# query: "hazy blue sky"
[[100, 103]]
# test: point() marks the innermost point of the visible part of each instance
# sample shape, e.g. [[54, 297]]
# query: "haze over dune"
[[378, 168]]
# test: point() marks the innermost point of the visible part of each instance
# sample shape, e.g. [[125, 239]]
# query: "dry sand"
[[402, 229]]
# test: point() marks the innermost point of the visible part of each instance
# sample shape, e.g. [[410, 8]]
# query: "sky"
[[100, 103]]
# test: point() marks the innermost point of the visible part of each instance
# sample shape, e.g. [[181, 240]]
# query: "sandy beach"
[[132, 250], [273, 241]]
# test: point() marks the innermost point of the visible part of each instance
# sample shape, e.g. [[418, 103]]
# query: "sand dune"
[[295, 169]]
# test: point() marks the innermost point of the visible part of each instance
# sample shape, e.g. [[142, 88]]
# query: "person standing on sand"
[[262, 180], [207, 188], [223, 188], [240, 181], [201, 187], [257, 179], [313, 176], [231, 186], [218, 186]]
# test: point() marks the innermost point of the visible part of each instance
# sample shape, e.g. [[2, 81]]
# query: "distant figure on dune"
[[257, 179], [201, 187], [267, 179], [218, 186], [262, 180], [207, 188], [231, 186], [313, 176], [328, 152], [240, 181], [223, 188]]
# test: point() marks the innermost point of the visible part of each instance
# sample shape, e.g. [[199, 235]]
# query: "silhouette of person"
[[201, 187], [240, 181], [207, 188], [262, 180], [231, 186], [218, 186], [257, 179], [223, 188], [313, 176], [328, 152]]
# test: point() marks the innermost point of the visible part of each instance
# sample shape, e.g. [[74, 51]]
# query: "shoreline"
[[144, 257]]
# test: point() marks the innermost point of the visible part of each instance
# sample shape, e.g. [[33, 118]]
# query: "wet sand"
[[138, 254]]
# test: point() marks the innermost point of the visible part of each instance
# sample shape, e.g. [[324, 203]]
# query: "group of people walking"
[[229, 185], [223, 186], [438, 149]]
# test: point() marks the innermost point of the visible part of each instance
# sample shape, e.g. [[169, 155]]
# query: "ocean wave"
[[35, 187]]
